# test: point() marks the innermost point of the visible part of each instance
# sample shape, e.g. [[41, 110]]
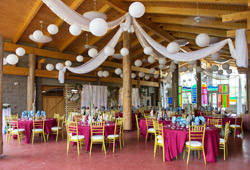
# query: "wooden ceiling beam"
[[103, 9], [236, 16], [28, 19], [208, 23], [40, 62], [59, 22]]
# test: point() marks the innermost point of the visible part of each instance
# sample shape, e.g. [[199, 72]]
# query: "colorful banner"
[[180, 97], [194, 94], [204, 94], [212, 88], [223, 100], [223, 88]]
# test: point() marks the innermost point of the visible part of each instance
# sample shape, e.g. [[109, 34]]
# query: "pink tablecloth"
[[27, 125], [133, 117], [143, 127], [227, 119], [174, 141], [86, 131]]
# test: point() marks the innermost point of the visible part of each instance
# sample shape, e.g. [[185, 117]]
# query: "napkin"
[[202, 119], [152, 113], [197, 120], [173, 119]]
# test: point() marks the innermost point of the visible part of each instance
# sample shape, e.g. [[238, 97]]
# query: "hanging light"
[[49, 67], [39, 37], [173, 47], [151, 59], [12, 59], [138, 63], [68, 63], [118, 71], [75, 29], [20, 51], [59, 66], [79, 58], [202, 40], [148, 50], [52, 29], [136, 9]]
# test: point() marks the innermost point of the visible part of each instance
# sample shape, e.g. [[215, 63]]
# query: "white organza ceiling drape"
[[241, 48]]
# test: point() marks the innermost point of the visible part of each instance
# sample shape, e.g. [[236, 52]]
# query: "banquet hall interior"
[[108, 84]]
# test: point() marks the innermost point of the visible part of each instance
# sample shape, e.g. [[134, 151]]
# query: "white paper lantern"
[[98, 27], [109, 50], [151, 59], [190, 69], [49, 67], [20, 51], [147, 77], [121, 75], [215, 56], [192, 62], [12, 59], [156, 76], [136, 9], [68, 63], [148, 50], [184, 68], [229, 71], [105, 74], [202, 40], [79, 58], [5, 61], [173, 48], [75, 29], [141, 74], [52, 29], [133, 75], [215, 68], [118, 71], [100, 73], [138, 63], [198, 69], [92, 52], [37, 34], [152, 70], [172, 66], [161, 66], [220, 72], [162, 61], [225, 66], [59, 66], [124, 51]]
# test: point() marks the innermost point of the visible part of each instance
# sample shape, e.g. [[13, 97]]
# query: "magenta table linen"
[[133, 117], [174, 141]]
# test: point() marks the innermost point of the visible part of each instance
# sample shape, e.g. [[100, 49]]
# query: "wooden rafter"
[[236, 16], [40, 62], [27, 20]]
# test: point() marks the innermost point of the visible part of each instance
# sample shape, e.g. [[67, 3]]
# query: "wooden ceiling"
[[165, 21]]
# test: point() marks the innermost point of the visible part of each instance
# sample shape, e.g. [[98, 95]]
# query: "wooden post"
[[248, 94], [31, 81], [127, 85], [1, 92], [175, 86], [198, 87]]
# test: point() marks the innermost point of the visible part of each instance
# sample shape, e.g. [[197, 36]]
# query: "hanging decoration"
[[12, 59], [118, 71], [39, 37], [20, 51], [79, 58], [49, 67]]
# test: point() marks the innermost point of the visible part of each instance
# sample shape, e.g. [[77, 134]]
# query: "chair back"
[[118, 127], [149, 122], [14, 116], [197, 133], [137, 122], [212, 121], [156, 126], [97, 128], [13, 124], [72, 128], [160, 131], [38, 124], [56, 115], [227, 131], [219, 119], [7, 119], [77, 118]]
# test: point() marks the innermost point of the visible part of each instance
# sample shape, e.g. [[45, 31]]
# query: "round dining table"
[[120, 114], [175, 138]]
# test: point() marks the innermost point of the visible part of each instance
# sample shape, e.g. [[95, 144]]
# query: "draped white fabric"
[[5, 112], [241, 48], [98, 93], [239, 102], [218, 77], [72, 17]]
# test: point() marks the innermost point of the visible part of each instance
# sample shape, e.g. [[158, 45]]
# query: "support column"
[[175, 86], [31, 81], [127, 85], [248, 95], [1, 92], [198, 87]]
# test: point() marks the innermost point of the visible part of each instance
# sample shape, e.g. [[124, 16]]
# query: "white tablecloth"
[[6, 112]]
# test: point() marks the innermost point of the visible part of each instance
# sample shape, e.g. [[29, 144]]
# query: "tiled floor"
[[135, 155]]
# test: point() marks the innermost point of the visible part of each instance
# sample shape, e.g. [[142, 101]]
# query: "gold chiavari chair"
[[236, 125], [57, 129], [77, 118], [38, 128], [211, 121], [219, 124], [8, 128], [196, 141], [150, 127], [223, 141], [117, 135], [15, 130], [137, 127], [14, 116], [159, 139], [97, 135]]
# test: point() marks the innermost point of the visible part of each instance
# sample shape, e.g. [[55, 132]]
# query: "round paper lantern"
[[75, 29], [172, 66], [49, 67], [121, 75], [100, 73], [105, 73], [98, 27], [124, 51], [215, 56], [198, 69], [79, 58], [151, 59], [59, 66], [138, 63], [133, 75], [161, 66], [109, 51], [141, 74], [20, 51], [225, 66], [156, 76], [190, 69], [118, 71], [147, 77], [37, 34], [184, 68], [162, 61], [220, 72], [192, 62], [173, 48], [5, 61], [12, 59], [229, 71], [92, 52], [215, 68], [202, 40], [68, 63], [148, 50], [152, 70], [136, 9], [52, 29]]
